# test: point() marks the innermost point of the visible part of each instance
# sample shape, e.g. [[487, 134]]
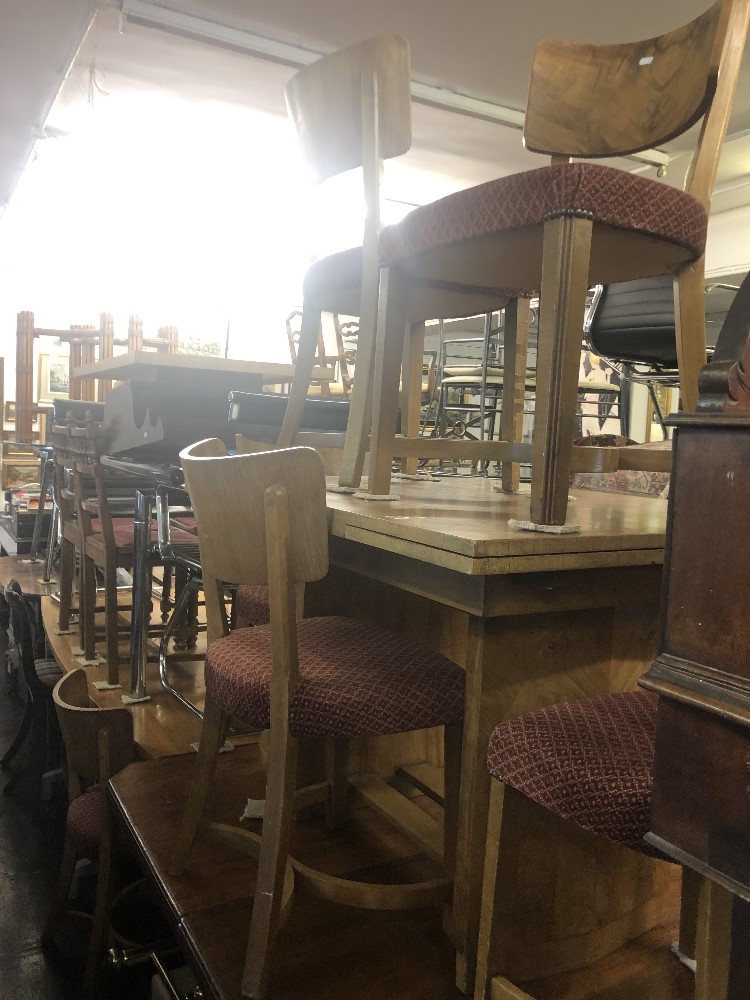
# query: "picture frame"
[[9, 415], [53, 377]]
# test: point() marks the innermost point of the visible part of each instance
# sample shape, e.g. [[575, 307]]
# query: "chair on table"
[[353, 109], [631, 325], [564, 227], [589, 762], [98, 744], [262, 520], [40, 674]]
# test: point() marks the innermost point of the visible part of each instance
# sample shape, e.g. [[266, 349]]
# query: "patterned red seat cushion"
[[590, 761], [123, 531], [84, 823], [355, 680], [251, 606], [607, 195]]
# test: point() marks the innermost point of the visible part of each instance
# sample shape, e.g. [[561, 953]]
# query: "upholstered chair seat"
[[589, 761], [531, 198], [355, 680]]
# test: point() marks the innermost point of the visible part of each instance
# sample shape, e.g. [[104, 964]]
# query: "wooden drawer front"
[[701, 798]]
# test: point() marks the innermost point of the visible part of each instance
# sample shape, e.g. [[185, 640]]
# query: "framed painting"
[[53, 378]]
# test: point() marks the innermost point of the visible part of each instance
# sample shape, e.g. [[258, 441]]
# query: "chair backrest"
[[634, 322], [230, 494], [353, 109], [88, 730], [28, 633], [612, 100], [352, 105]]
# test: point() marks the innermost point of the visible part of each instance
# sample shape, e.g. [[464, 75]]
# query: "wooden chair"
[[567, 226], [353, 109], [70, 535], [96, 517], [262, 520], [98, 744], [590, 762], [40, 674]]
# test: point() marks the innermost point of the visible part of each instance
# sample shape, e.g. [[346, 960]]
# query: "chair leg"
[[692, 884], [388, 354], [361, 399], [690, 330], [713, 942], [411, 390], [67, 564], [213, 732], [111, 624], [303, 366], [272, 862], [452, 741], [515, 350], [87, 607], [62, 888], [102, 909], [565, 270], [489, 980], [23, 730], [337, 757]]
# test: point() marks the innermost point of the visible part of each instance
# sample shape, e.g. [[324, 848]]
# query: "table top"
[[149, 366], [461, 523]]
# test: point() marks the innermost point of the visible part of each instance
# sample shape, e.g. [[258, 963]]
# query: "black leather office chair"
[[631, 325]]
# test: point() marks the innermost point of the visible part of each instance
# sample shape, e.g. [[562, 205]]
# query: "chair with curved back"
[[589, 762], [98, 744], [631, 325], [562, 228], [353, 109], [262, 520]]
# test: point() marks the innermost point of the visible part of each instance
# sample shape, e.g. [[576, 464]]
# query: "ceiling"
[[478, 48]]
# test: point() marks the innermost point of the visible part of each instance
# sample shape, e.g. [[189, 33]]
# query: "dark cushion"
[[355, 680], [333, 284], [48, 671], [590, 761], [605, 194]]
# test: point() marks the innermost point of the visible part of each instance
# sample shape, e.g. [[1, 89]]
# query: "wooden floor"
[[327, 952]]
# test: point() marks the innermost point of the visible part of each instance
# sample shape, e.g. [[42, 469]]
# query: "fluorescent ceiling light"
[[190, 26]]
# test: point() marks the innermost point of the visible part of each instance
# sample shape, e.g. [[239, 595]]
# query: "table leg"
[[144, 503]]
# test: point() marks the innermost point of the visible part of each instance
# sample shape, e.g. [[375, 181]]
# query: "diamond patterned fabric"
[[84, 823], [590, 761], [355, 680], [251, 606], [610, 196]]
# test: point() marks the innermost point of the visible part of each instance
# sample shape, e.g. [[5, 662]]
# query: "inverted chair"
[[565, 227], [353, 109]]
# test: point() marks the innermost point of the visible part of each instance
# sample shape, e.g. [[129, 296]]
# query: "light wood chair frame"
[[352, 109], [263, 521], [585, 101], [98, 744]]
